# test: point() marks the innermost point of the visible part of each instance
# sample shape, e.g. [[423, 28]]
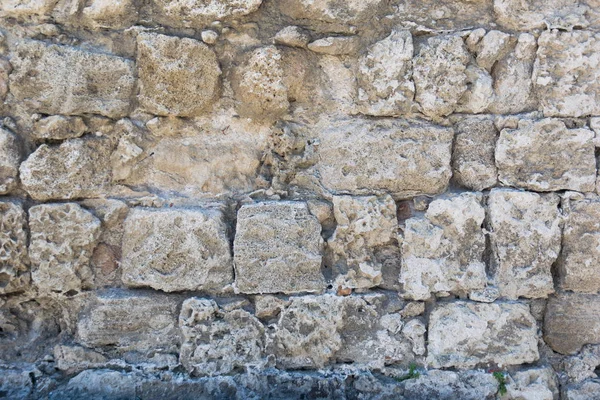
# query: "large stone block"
[[176, 249], [545, 156], [349, 12], [525, 241], [10, 157], [443, 15], [14, 270], [216, 341], [571, 321], [200, 13], [53, 79], [442, 251], [63, 237], [451, 385], [566, 73], [403, 158], [177, 76], [277, 248], [542, 14], [74, 169], [464, 334]]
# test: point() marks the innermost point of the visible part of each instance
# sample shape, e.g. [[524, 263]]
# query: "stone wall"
[[233, 199]]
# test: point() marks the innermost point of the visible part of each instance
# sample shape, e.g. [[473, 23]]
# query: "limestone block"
[[571, 321], [335, 45], [216, 341], [292, 36], [566, 74], [348, 12], [473, 164], [63, 237], [26, 9], [14, 270], [444, 15], [541, 14], [130, 322], [199, 13], [525, 241], [534, 383], [364, 224], [403, 158], [385, 76], [5, 69], [59, 127], [439, 72], [100, 384], [176, 249], [589, 389], [177, 76], [110, 14], [544, 156], [442, 251], [277, 248], [10, 157], [74, 169], [448, 385], [54, 79], [464, 334]]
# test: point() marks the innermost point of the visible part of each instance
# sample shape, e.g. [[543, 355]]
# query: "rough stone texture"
[[216, 341], [198, 13], [447, 385], [442, 15], [571, 321], [540, 14], [76, 168], [586, 390], [464, 334], [63, 237], [174, 250], [335, 45], [277, 248], [522, 264], [14, 270], [566, 73], [99, 14], [177, 76], [59, 127], [55, 79], [364, 224], [442, 252], [536, 383], [401, 157], [545, 155], [348, 12], [293, 36], [15, 384], [10, 157]]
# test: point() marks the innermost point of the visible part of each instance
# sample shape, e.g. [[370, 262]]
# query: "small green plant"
[[501, 382], [412, 373]]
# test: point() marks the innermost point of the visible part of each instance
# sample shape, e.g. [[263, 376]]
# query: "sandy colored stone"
[[277, 248], [442, 251], [26, 9], [63, 237], [541, 14], [10, 158], [74, 169], [14, 270], [545, 156], [176, 249], [385, 76], [292, 36], [525, 241], [268, 306], [473, 164], [335, 45], [439, 73], [566, 74], [177, 76], [534, 383], [403, 158], [216, 341], [110, 14], [199, 13], [347, 12], [59, 127], [444, 15], [464, 334], [53, 79], [571, 321], [5, 70]]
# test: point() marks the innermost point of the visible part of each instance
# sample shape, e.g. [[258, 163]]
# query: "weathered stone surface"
[[73, 359], [130, 322], [59, 127], [63, 237], [5, 69], [99, 385], [216, 341], [385, 76], [55, 79], [400, 157], [583, 365], [580, 256], [348, 12], [176, 249], [473, 163], [259, 84], [443, 15], [15, 384], [442, 252], [14, 270], [10, 157], [449, 385], [566, 73], [589, 389], [525, 241], [109, 14], [364, 224], [177, 76], [198, 13], [76, 168], [292, 36], [277, 248], [335, 45], [540, 14], [464, 334], [26, 9], [571, 321], [544, 155], [439, 73], [535, 383]]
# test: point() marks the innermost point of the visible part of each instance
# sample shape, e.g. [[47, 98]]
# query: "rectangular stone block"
[[277, 248], [176, 249], [464, 334], [14, 271], [53, 79]]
